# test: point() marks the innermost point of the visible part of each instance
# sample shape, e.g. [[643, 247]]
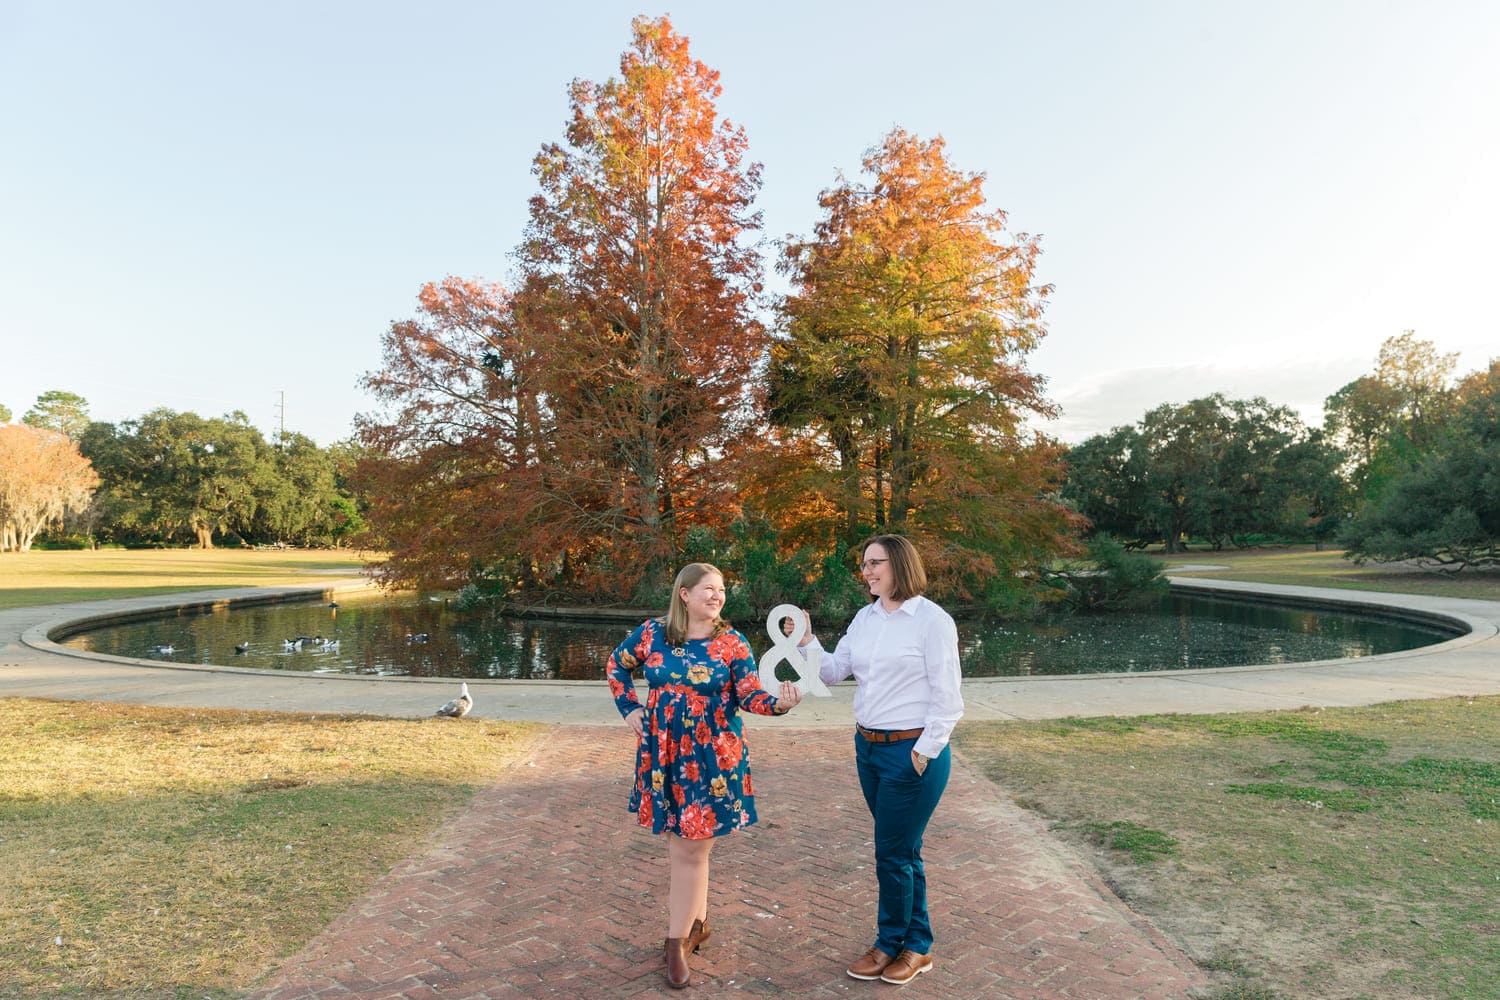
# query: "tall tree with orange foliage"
[[904, 356], [569, 434], [639, 233]]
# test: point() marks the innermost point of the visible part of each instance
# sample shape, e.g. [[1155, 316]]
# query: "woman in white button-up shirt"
[[902, 651]]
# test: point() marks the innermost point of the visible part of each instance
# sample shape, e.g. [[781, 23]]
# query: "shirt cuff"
[[928, 748]]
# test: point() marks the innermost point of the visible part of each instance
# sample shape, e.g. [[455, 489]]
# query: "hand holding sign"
[[804, 660]]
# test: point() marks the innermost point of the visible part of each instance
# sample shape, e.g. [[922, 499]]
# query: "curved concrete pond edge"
[[1466, 665]]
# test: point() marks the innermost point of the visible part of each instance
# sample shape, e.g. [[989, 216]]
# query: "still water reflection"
[[408, 635]]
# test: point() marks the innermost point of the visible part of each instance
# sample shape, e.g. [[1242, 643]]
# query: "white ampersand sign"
[[804, 660]]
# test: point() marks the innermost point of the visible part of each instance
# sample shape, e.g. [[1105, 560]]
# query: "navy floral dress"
[[692, 772]]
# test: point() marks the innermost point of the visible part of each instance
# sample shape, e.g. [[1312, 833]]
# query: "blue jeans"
[[902, 801]]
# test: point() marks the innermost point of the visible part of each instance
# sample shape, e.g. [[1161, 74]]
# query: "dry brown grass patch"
[[165, 852]]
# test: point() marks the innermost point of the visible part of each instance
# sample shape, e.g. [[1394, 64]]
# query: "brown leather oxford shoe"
[[870, 965], [907, 966]]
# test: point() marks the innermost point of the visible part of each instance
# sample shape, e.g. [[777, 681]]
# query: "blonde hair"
[[676, 618], [908, 577]]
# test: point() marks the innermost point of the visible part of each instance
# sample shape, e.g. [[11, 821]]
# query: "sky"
[[222, 207]]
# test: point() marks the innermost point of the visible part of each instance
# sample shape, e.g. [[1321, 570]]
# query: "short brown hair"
[[906, 565], [676, 618]]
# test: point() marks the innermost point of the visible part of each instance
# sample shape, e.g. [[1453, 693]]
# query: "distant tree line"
[[1225, 471], [1405, 467], [168, 478]]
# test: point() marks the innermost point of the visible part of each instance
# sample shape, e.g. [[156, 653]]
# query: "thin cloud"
[[1101, 402]]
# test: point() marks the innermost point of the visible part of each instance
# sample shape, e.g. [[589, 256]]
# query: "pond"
[[407, 635]]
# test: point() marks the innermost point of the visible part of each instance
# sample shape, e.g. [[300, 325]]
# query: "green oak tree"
[[1444, 510], [1215, 468], [171, 477], [1387, 420]]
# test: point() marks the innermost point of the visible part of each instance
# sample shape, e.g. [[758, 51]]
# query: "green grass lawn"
[[1319, 854], [1303, 566], [42, 577]]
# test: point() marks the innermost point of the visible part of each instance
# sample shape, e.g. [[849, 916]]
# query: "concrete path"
[[543, 887]]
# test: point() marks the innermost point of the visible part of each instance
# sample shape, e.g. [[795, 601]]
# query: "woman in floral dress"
[[692, 775]]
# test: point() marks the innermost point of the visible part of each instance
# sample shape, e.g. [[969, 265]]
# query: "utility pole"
[[281, 421]]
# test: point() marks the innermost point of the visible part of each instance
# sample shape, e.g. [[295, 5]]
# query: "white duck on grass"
[[458, 707]]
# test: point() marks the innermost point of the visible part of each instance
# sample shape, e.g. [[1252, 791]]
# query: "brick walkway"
[[544, 887]]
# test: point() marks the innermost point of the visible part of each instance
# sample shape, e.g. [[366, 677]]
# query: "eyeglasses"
[[872, 563]]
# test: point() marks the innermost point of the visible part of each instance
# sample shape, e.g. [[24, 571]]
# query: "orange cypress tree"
[[906, 336], [639, 231], [568, 434], [450, 468]]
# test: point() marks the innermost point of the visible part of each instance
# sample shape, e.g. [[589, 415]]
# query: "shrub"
[[1113, 580]]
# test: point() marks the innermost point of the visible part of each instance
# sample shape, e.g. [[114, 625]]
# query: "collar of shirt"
[[909, 606]]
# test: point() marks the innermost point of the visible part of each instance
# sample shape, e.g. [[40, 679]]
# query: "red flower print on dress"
[[729, 750], [679, 795], [697, 821], [644, 646], [668, 712], [697, 705], [726, 647], [749, 789], [654, 660], [690, 769], [686, 746], [615, 687], [720, 719], [645, 813], [702, 733], [748, 685]]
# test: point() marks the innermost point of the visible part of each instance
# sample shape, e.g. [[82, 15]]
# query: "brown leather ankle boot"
[[677, 963], [697, 938]]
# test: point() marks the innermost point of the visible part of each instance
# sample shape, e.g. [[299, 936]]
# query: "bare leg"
[[688, 890]]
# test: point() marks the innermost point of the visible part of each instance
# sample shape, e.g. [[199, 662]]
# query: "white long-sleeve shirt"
[[906, 665]]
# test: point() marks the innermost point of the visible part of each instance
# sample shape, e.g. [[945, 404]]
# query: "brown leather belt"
[[887, 735]]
